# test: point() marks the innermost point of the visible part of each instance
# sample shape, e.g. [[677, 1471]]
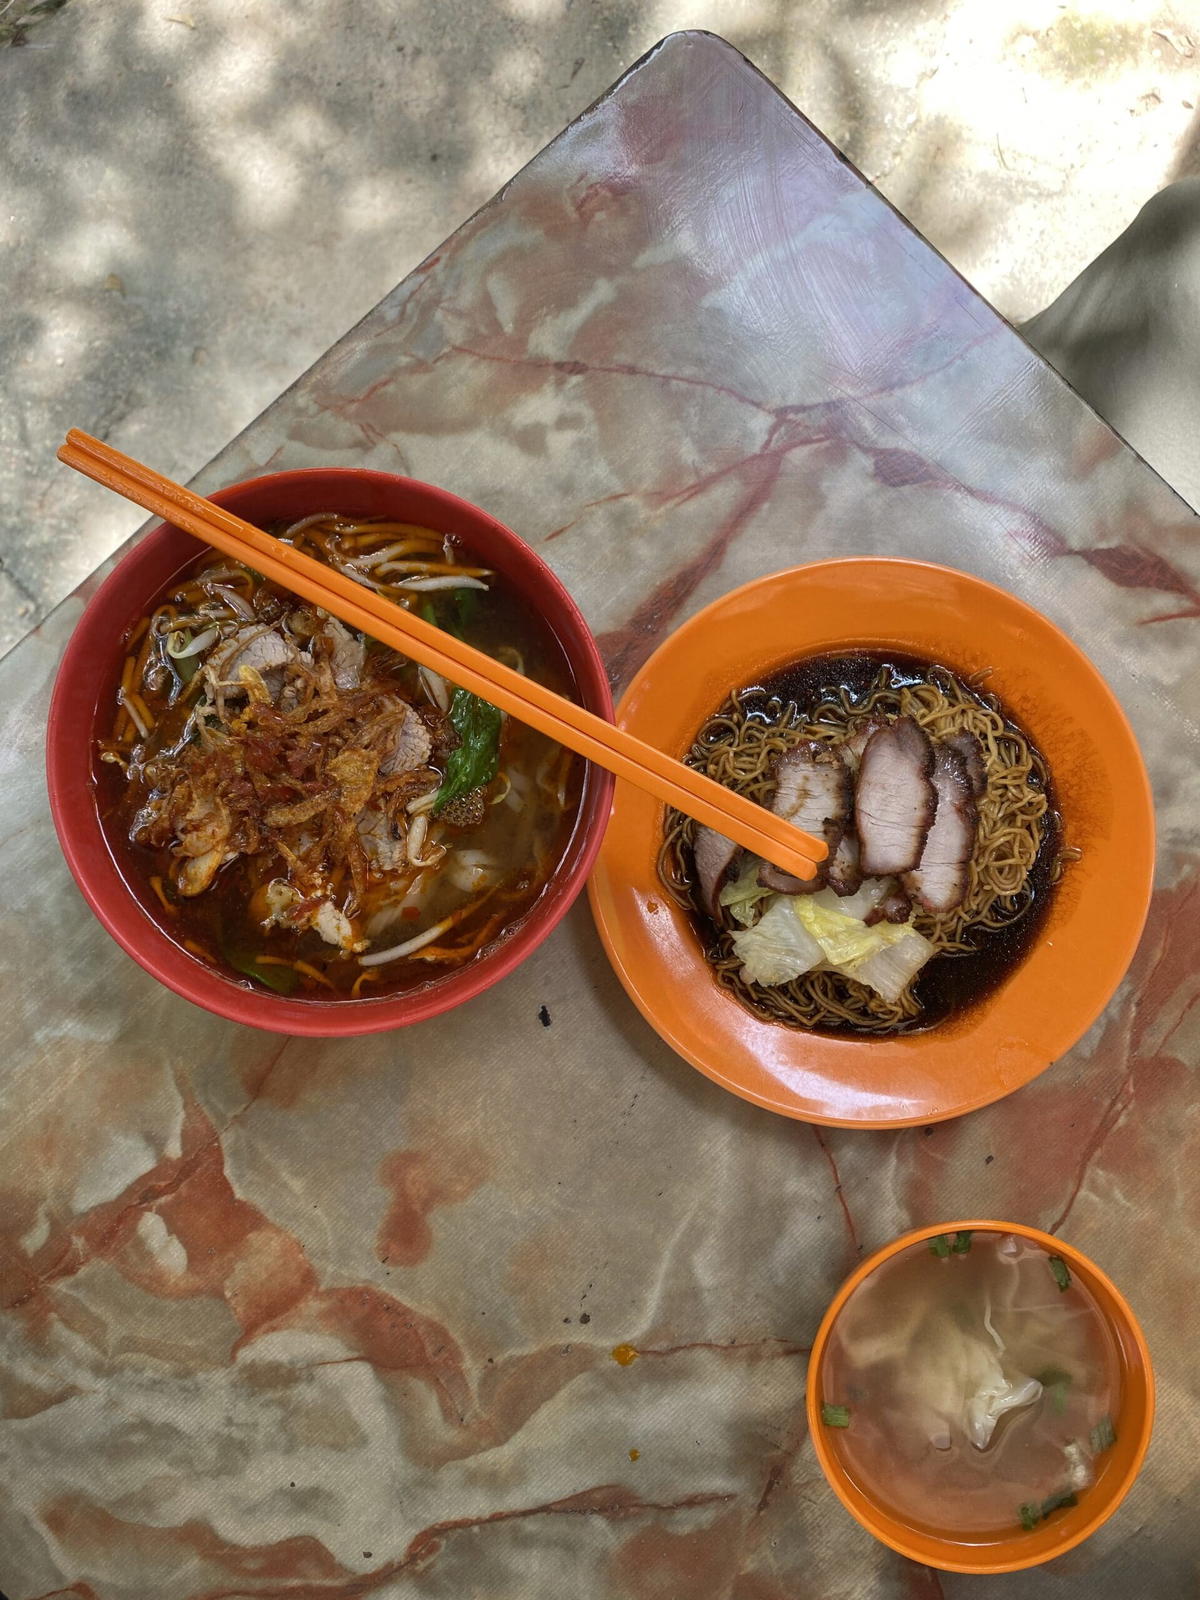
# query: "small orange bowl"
[[1095, 915], [1066, 1528]]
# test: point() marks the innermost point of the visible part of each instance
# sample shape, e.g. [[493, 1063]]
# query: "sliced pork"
[[813, 791], [257, 648], [784, 883], [852, 748], [970, 749], [939, 880], [347, 654], [715, 857], [843, 871], [895, 799], [895, 906]]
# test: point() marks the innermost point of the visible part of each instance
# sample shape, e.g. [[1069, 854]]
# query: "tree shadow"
[[203, 205]]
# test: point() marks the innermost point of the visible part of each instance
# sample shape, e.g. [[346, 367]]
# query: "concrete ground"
[[197, 197]]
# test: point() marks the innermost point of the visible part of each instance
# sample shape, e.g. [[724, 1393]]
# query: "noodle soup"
[[943, 840], [313, 812], [971, 1384]]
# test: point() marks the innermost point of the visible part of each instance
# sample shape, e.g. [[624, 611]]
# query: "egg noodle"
[[740, 746]]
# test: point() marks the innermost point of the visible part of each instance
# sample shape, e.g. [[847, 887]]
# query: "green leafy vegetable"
[[1055, 1382], [1062, 1277], [743, 894], [1030, 1515], [282, 980], [940, 1246], [846, 940], [466, 604], [835, 1416], [1103, 1435], [476, 722], [475, 761], [962, 1242], [778, 947]]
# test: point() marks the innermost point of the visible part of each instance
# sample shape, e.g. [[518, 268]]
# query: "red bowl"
[[83, 698]]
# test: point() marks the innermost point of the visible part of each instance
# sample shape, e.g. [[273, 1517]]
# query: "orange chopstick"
[[668, 780]]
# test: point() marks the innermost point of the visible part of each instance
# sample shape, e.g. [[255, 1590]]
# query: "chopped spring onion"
[[1055, 1382], [962, 1242], [1103, 1435], [835, 1416], [1062, 1277], [1030, 1513], [1056, 1502], [940, 1245]]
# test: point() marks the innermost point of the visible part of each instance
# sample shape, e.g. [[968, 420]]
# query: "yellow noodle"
[[740, 747]]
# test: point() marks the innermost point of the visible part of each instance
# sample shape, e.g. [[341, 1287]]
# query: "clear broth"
[[905, 1353]]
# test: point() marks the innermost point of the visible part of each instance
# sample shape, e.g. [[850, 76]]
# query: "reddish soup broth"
[[971, 1385], [293, 803]]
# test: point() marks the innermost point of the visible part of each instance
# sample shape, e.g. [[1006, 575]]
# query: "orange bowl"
[[1093, 922], [1067, 1528]]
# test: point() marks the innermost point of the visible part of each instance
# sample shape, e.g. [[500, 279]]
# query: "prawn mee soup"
[[308, 810], [971, 1384], [944, 845]]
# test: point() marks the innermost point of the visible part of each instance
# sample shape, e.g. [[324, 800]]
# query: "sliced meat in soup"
[[895, 799], [843, 871], [939, 880], [813, 792], [715, 856], [970, 749]]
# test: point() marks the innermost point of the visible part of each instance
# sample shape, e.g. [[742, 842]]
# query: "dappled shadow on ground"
[[200, 196]]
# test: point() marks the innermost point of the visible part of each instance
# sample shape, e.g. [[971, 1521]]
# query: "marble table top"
[[292, 1318]]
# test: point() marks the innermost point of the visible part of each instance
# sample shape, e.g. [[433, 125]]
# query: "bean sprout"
[[178, 647], [435, 687], [390, 553], [311, 522], [427, 585], [378, 957], [235, 603], [138, 722]]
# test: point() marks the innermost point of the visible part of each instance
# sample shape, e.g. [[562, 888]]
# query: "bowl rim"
[[603, 886], [84, 841], [1040, 1543]]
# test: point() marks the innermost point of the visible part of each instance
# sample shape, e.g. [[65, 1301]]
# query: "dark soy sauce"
[[950, 984]]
